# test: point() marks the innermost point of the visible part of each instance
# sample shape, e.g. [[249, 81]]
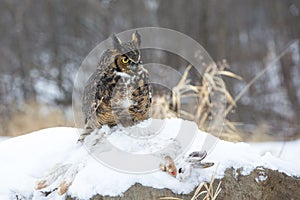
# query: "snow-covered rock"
[[26, 159]]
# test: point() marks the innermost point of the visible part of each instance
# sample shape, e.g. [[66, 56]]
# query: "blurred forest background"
[[42, 44]]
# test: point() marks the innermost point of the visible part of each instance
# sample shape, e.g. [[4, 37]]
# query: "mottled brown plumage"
[[118, 92]]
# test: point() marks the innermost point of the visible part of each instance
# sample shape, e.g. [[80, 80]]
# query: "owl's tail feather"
[[87, 131], [90, 126]]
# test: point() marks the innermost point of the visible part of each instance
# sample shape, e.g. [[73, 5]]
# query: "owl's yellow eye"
[[124, 60]]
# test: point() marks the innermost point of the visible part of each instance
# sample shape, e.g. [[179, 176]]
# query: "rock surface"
[[262, 184]]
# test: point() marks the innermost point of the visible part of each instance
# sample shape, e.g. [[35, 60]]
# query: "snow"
[[26, 159], [3, 138]]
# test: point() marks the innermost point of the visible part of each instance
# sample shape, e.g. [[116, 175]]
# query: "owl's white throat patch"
[[123, 74], [126, 103]]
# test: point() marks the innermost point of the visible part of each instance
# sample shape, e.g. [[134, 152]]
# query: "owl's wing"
[[95, 87], [142, 96], [90, 103], [91, 95]]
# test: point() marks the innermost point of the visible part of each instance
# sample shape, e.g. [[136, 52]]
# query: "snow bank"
[[27, 158], [3, 138]]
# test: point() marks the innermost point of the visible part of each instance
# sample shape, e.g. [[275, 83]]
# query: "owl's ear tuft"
[[117, 43], [136, 39]]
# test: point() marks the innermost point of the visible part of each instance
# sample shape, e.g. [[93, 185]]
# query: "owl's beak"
[[134, 66], [135, 59]]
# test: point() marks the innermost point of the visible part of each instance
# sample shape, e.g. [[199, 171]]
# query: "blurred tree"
[[44, 43]]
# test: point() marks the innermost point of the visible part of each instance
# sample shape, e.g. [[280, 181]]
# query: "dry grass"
[[34, 116], [208, 192], [204, 191], [194, 102]]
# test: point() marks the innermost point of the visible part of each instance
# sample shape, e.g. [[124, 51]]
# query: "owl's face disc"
[[128, 55], [128, 61]]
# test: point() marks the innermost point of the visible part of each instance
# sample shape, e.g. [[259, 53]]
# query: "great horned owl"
[[118, 92]]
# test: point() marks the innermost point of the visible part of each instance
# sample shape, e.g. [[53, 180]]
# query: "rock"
[[260, 184]]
